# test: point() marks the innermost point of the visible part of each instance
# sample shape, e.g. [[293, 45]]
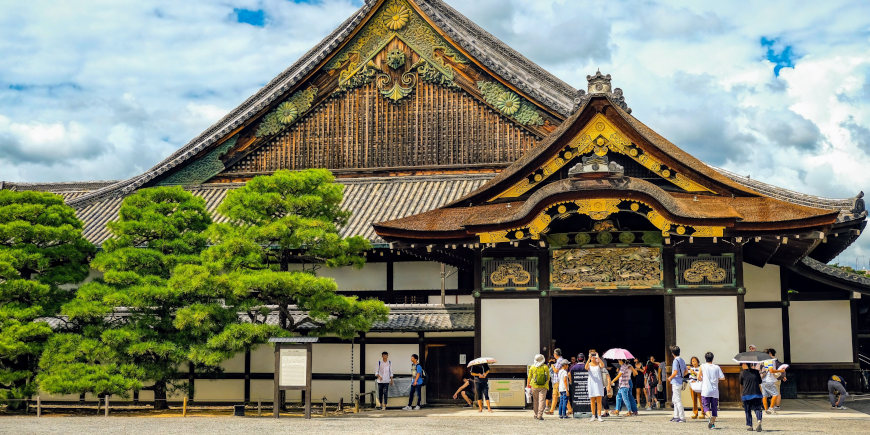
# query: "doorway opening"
[[635, 323]]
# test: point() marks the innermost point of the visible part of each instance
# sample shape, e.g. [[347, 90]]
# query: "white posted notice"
[[293, 368]]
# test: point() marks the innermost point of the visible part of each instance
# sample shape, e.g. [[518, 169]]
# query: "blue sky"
[[103, 89]]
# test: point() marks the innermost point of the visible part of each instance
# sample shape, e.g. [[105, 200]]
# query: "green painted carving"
[[395, 91], [395, 19], [510, 104], [604, 237], [431, 74], [287, 112], [652, 238], [396, 59], [626, 237], [582, 239], [202, 169]]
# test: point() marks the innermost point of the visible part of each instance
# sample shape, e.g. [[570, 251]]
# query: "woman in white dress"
[[595, 367]]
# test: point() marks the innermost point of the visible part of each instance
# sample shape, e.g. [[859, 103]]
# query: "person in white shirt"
[[384, 378], [709, 377]]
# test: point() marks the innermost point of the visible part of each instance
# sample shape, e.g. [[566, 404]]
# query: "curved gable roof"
[[509, 65]]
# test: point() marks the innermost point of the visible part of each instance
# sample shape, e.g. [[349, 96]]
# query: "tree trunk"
[[160, 395]]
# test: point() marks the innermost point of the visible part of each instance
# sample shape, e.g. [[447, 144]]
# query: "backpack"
[[539, 376], [422, 374]]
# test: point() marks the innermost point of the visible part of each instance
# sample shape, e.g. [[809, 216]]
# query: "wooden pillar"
[[390, 286], [191, 379], [247, 375], [362, 369], [545, 303], [477, 286], [741, 298], [786, 333]]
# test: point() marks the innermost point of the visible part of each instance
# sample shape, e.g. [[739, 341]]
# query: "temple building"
[[511, 214]]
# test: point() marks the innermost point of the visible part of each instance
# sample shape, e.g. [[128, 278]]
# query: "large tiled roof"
[[402, 317], [504, 61], [368, 199]]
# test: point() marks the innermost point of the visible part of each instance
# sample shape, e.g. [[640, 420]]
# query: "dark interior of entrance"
[[635, 323]]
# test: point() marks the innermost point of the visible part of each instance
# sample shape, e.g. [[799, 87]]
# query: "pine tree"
[[41, 248], [278, 221], [139, 322]]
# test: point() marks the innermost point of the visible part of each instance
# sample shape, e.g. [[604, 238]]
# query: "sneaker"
[[384, 408], [592, 419], [600, 419], [842, 407], [417, 408], [406, 408], [681, 421], [758, 427], [649, 408], [768, 411], [749, 428], [710, 425], [673, 420]]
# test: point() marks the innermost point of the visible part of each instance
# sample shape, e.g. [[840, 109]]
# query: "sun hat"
[[539, 360]]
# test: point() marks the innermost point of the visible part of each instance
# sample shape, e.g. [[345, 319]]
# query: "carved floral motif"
[[396, 16]]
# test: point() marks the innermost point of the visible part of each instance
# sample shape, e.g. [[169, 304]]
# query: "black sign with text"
[[580, 392]]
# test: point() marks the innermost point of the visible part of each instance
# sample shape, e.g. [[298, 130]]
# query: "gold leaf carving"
[[635, 267], [510, 272], [701, 269]]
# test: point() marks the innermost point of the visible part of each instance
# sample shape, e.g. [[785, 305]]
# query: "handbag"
[[660, 388]]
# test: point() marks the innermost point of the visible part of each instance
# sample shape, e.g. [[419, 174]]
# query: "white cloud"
[[105, 89]]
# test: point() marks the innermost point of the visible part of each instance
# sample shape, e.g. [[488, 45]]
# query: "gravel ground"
[[804, 417]]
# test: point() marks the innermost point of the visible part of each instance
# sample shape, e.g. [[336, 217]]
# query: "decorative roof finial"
[[599, 84]]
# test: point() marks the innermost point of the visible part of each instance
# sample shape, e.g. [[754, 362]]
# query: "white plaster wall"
[[373, 276], [263, 359], [510, 330], [236, 364], [400, 356], [707, 323], [264, 390], [451, 299], [764, 328], [219, 390], [333, 358], [762, 284], [422, 275], [820, 331]]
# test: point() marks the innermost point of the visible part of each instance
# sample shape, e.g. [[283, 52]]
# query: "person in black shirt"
[[750, 381], [481, 385], [466, 387], [637, 381]]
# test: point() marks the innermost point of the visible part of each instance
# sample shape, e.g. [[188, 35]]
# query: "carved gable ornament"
[[598, 138]]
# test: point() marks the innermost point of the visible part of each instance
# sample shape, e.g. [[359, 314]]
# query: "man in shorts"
[[710, 375], [769, 389]]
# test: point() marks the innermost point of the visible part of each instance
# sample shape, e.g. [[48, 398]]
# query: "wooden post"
[[38, 406], [324, 406], [259, 408], [107, 405], [184, 408], [276, 401]]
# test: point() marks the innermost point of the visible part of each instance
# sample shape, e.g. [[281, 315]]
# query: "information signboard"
[[293, 367], [580, 394]]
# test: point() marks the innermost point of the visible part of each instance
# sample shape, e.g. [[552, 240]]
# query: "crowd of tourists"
[[633, 382]]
